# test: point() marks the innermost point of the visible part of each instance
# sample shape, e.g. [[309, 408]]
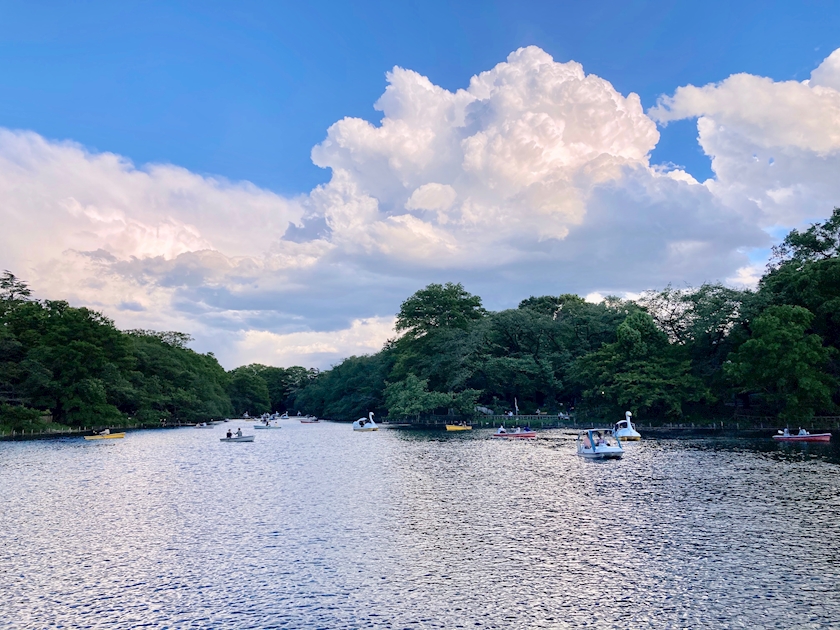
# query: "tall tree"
[[438, 307], [640, 371], [784, 363]]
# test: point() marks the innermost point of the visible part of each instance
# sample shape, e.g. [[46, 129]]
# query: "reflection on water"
[[317, 526]]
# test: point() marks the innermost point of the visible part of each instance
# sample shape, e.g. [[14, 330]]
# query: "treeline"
[[64, 366], [674, 353]]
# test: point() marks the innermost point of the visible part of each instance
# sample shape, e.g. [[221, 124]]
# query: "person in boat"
[[229, 434], [105, 432], [802, 431], [786, 432], [501, 430], [527, 429], [238, 432]]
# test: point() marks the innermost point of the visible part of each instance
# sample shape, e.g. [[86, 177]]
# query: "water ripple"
[[315, 526]]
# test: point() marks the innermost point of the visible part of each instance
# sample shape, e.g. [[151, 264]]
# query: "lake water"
[[314, 526]]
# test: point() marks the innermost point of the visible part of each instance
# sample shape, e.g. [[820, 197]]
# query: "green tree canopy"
[[438, 307], [784, 363]]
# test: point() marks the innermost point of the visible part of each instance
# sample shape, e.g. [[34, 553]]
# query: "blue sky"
[[246, 89], [274, 178]]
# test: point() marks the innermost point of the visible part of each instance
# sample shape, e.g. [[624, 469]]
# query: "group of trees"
[[671, 353], [67, 366]]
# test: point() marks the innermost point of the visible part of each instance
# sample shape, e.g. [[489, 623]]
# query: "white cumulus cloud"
[[535, 178], [774, 145]]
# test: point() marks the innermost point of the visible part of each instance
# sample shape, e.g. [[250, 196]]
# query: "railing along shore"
[[75, 431]]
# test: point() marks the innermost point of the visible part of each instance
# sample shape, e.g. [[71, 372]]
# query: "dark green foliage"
[[349, 390], [438, 307], [73, 365], [784, 363], [641, 371], [248, 390]]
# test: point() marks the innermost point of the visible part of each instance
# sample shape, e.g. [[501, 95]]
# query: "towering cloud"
[[535, 178]]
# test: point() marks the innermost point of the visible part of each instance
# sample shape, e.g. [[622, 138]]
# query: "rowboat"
[[309, 420], [267, 426], [244, 438], [802, 436], [106, 436], [458, 427], [599, 444], [517, 433]]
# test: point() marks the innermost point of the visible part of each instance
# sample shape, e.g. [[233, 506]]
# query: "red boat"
[[802, 436]]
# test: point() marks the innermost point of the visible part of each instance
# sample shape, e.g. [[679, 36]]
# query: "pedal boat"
[[518, 433], [599, 444], [802, 436], [106, 436], [241, 438], [365, 424], [625, 429]]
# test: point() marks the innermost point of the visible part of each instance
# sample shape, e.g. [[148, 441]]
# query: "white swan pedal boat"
[[365, 424], [517, 433], [625, 429], [599, 444]]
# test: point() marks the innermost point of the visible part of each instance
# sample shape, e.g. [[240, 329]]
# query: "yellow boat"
[[107, 436], [458, 427]]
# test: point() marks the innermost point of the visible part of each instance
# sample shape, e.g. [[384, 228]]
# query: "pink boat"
[[802, 436], [518, 433]]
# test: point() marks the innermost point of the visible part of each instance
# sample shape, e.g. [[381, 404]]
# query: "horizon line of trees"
[[672, 353]]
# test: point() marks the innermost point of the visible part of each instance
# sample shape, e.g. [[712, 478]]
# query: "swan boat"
[[625, 429], [106, 435], [239, 438], [802, 436], [365, 424], [599, 444], [517, 433]]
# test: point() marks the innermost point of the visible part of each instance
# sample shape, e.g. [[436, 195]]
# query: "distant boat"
[[517, 433], [267, 426], [106, 435], [458, 427], [365, 424], [242, 438], [309, 420], [599, 444], [802, 436], [625, 429]]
